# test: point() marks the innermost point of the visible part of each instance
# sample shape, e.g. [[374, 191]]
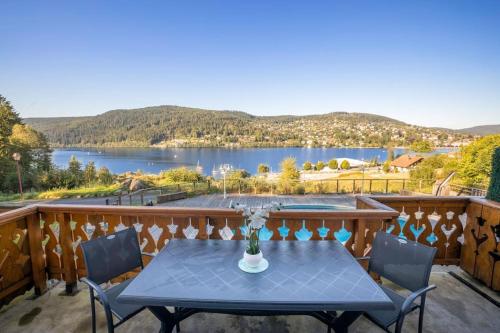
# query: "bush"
[[263, 168], [299, 189], [345, 165], [104, 176], [320, 165], [421, 147], [181, 175], [387, 166], [333, 164], [307, 166], [494, 188]]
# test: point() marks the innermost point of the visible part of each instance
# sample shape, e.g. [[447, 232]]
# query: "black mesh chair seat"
[[387, 318], [120, 310], [407, 264]]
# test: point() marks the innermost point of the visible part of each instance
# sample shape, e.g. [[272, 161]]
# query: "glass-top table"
[[313, 278]]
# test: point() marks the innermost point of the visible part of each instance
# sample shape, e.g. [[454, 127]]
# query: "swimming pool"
[[315, 207]]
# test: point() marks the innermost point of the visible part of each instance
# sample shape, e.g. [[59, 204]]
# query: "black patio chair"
[[106, 258], [407, 264]]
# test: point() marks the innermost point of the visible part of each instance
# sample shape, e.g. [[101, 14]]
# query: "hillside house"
[[405, 162]]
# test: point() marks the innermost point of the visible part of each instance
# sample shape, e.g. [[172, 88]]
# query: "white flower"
[[256, 222]]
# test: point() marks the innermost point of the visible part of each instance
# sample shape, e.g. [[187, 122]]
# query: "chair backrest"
[[109, 256], [404, 262]]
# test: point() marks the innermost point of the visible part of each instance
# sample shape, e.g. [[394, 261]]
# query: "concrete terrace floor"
[[218, 201], [452, 307], [214, 200]]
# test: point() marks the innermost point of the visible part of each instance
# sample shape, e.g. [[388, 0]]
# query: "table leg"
[[167, 319], [341, 325]]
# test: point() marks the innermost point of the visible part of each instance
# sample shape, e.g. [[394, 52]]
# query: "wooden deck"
[[218, 201]]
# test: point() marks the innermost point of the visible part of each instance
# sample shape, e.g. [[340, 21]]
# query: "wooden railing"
[[41, 242]]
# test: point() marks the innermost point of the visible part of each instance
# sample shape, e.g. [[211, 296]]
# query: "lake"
[[153, 160]]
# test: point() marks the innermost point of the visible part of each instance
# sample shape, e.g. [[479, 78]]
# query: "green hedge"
[[494, 188]]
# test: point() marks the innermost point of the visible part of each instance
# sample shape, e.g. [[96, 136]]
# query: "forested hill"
[[482, 130], [183, 126]]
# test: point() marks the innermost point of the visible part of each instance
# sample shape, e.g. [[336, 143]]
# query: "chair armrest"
[[362, 258], [148, 254], [100, 292], [413, 296]]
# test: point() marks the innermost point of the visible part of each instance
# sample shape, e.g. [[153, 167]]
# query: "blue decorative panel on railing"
[[283, 230], [265, 234], [342, 235], [402, 220], [226, 233], [303, 234], [417, 232], [433, 220], [244, 230], [323, 231]]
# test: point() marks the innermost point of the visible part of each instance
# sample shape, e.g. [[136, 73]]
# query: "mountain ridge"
[[171, 125], [481, 129]]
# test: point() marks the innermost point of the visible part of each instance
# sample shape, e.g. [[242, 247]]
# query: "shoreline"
[[234, 147]]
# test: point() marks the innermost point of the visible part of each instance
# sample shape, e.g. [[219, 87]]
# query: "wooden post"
[[120, 199], [202, 227], [68, 262], [142, 198], [130, 199], [354, 186], [370, 190], [337, 185], [386, 186], [36, 253], [360, 237], [404, 181]]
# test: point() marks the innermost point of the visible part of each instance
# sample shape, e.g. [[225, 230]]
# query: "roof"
[[406, 161]]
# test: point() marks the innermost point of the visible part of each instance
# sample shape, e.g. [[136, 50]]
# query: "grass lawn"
[[81, 192]]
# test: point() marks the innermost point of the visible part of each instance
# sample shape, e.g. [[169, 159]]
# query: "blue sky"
[[432, 63]]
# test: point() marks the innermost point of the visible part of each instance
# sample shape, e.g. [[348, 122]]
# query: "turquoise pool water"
[[316, 207]]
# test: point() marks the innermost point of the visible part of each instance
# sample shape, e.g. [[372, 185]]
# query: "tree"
[[307, 166], [433, 168], [390, 153], [90, 173], [15, 137], [333, 164], [345, 165], [263, 168], [289, 177], [421, 146], [75, 173], [387, 166], [289, 169], [494, 188], [476, 160], [320, 165], [8, 118], [104, 176]]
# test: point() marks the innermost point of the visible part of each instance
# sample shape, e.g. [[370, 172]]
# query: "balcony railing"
[[41, 242]]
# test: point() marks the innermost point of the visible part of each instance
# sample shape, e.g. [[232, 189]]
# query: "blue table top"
[[302, 276]]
